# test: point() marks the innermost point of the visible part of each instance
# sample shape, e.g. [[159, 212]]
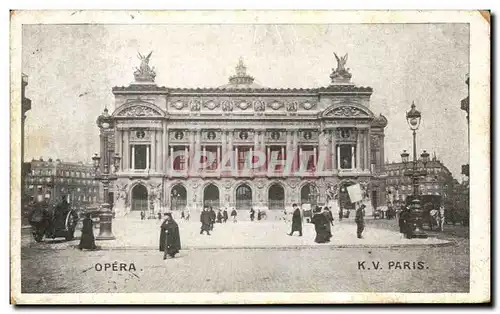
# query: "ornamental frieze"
[[194, 105], [210, 105], [227, 105], [292, 106], [275, 105], [179, 105], [308, 105], [243, 105], [259, 105], [138, 111]]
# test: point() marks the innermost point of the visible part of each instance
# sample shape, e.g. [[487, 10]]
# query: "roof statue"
[[145, 73], [241, 80], [341, 75]]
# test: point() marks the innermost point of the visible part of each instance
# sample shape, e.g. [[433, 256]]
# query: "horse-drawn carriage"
[[53, 225]]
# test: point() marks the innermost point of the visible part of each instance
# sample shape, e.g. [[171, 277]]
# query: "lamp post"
[[105, 215], [413, 117]]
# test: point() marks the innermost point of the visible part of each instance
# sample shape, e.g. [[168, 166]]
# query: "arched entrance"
[[276, 197], [344, 200], [243, 197], [178, 197], [139, 198], [309, 194], [211, 196]]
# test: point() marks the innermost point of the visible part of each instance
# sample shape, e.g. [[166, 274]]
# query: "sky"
[[72, 69]]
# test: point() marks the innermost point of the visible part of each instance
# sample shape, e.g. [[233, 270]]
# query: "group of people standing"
[[323, 222], [208, 218]]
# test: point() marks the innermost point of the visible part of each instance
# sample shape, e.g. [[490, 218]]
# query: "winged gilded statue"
[[341, 62], [144, 67]]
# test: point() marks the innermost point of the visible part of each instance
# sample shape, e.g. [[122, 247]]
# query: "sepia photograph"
[[249, 157]]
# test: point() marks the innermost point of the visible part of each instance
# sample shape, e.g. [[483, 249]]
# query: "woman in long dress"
[[87, 240], [170, 240], [320, 226]]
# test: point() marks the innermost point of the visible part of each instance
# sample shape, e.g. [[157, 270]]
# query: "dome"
[[241, 80], [380, 121]]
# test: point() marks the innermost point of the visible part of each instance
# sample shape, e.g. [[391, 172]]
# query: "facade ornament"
[[144, 73], [374, 141], [194, 105], [227, 105], [275, 105], [292, 106], [138, 111], [259, 184], [293, 182], [211, 105], [179, 105], [308, 105], [243, 105], [259, 105], [340, 74], [346, 111]]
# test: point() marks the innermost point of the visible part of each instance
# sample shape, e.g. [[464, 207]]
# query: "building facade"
[[26, 106], [241, 144], [55, 179], [439, 181]]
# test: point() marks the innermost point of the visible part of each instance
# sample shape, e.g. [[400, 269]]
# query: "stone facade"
[[152, 125]]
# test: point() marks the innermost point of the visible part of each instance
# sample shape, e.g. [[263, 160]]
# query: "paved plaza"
[[133, 233]]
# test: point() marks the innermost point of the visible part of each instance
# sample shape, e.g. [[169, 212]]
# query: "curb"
[[289, 247]]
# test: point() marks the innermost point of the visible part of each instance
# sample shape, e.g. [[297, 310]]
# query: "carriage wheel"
[[38, 236]]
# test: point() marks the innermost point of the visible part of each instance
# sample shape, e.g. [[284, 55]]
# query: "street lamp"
[[105, 215], [414, 117]]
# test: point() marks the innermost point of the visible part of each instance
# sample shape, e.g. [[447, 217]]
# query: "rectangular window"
[[180, 161], [140, 156], [279, 153], [346, 156], [213, 162], [243, 157]]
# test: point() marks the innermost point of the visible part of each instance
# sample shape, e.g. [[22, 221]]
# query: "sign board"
[[355, 193]]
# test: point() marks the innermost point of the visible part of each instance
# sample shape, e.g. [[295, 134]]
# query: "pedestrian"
[[296, 220], [142, 215], [360, 220], [183, 216], [341, 214], [159, 216], [252, 214], [234, 213], [224, 215], [170, 240], [320, 226], [188, 215], [212, 216], [205, 221], [405, 223], [329, 221], [259, 215], [87, 240], [219, 217]]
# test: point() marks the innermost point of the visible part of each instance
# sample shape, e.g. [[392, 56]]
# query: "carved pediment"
[[348, 111], [139, 110]]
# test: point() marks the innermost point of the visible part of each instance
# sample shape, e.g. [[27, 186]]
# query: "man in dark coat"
[[219, 217], [212, 216], [296, 221], [170, 240], [405, 227], [205, 221], [87, 240], [40, 216], [341, 214], [320, 226], [252, 214], [360, 220], [224, 215]]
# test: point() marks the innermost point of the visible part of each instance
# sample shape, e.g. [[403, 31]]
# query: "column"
[[186, 160], [358, 150], [218, 156], [268, 155], [382, 152], [338, 157], [334, 150], [223, 145], [163, 167], [118, 147], [314, 158], [295, 150], [132, 166], [256, 147], [300, 159], [250, 158], [126, 151], [152, 151], [288, 151], [353, 156], [197, 149], [237, 164], [366, 139], [166, 149], [171, 159], [230, 148], [192, 150], [148, 153], [159, 151]]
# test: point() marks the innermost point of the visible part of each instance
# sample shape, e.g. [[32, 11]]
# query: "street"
[[299, 269]]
